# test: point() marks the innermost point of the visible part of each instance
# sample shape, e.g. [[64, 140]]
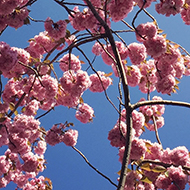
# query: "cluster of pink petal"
[[12, 91], [8, 57], [10, 16], [133, 75], [36, 183], [57, 135], [116, 136], [145, 31], [100, 82], [155, 46], [69, 62], [75, 83], [25, 127], [97, 49], [146, 3], [40, 148], [70, 137], [123, 51], [84, 113], [138, 121], [137, 53], [169, 7], [31, 108], [185, 15], [120, 9], [149, 78], [55, 30], [83, 20]]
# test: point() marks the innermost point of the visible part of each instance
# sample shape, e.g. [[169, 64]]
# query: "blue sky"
[[65, 167]]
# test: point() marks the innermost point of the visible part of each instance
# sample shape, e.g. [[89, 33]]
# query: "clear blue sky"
[[65, 167]]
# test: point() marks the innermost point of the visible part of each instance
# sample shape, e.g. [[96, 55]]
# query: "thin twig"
[[86, 160]]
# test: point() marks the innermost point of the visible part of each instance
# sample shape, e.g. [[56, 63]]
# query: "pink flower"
[[137, 53], [185, 15], [40, 148], [30, 162], [97, 49], [120, 10], [116, 135], [138, 149], [169, 7], [8, 57], [177, 175], [166, 84], [70, 137], [16, 19], [146, 31], [155, 46], [98, 80], [84, 113], [55, 30], [53, 136], [123, 51], [75, 83], [179, 156], [162, 182], [133, 75], [69, 62]]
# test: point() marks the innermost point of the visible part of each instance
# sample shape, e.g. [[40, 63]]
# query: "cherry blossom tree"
[[31, 89]]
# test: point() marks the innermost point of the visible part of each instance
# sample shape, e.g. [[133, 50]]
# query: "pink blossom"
[[187, 65], [137, 53], [31, 108], [138, 149], [69, 62], [149, 78], [30, 162], [179, 155], [25, 127], [7, 7], [84, 113], [8, 57], [67, 99], [166, 84], [83, 20], [16, 19], [138, 122], [146, 31], [98, 80], [70, 137], [123, 51], [162, 182], [185, 15], [18, 145], [3, 182], [97, 49], [75, 83], [155, 46], [17, 70], [120, 10], [3, 136], [133, 75], [155, 151], [166, 158], [53, 136], [177, 175], [116, 135], [40, 148], [55, 30], [169, 7]]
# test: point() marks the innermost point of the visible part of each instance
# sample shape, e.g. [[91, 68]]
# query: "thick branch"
[[165, 102], [122, 75]]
